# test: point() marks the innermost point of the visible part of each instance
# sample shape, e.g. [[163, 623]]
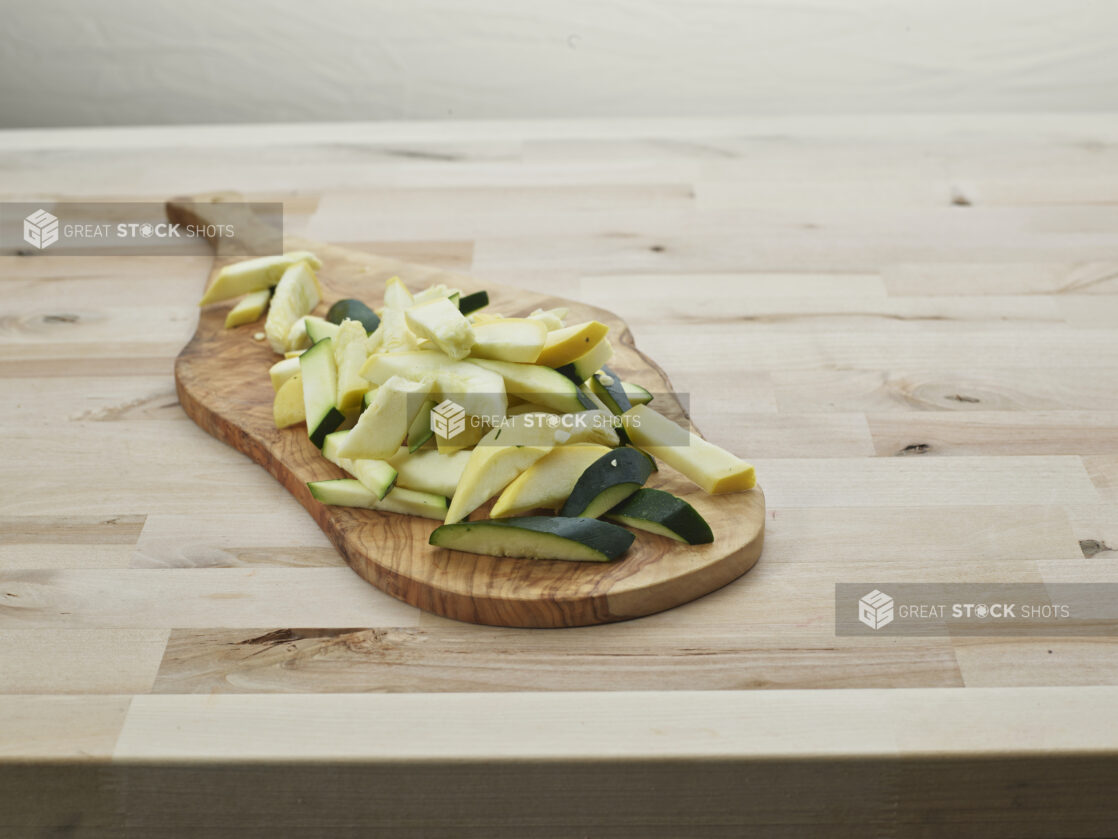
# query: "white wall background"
[[97, 62]]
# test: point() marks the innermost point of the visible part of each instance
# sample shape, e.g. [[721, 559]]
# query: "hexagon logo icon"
[[40, 229], [448, 419], [875, 610]]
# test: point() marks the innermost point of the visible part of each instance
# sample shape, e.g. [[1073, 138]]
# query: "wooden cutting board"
[[222, 381]]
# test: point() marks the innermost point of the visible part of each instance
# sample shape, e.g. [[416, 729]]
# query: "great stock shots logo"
[[40, 229], [448, 419], [875, 610]]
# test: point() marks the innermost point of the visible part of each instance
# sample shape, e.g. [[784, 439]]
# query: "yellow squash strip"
[[711, 467]]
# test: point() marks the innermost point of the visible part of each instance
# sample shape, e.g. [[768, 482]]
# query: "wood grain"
[[222, 385], [846, 337]]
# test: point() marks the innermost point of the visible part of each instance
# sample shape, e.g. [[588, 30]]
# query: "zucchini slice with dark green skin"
[[536, 537], [637, 394], [661, 512], [420, 430], [320, 390], [473, 302], [354, 310], [607, 482], [613, 394]]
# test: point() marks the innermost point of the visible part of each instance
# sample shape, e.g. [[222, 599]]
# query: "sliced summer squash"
[[296, 295], [320, 391], [547, 483], [565, 345], [383, 426], [660, 512], [281, 371], [249, 308], [441, 323], [478, 390], [606, 482], [253, 275], [551, 318], [537, 384], [347, 492], [587, 364], [436, 292], [396, 295], [509, 339], [349, 354], [536, 537], [711, 467], [489, 470], [287, 408]]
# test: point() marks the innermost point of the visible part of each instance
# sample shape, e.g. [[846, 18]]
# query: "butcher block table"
[[907, 325]]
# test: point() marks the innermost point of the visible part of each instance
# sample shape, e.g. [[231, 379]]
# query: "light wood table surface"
[[908, 325]]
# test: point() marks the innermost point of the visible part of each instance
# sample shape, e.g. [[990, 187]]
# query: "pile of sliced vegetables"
[[527, 411]]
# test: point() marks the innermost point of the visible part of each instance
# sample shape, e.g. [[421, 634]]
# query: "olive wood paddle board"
[[222, 381]]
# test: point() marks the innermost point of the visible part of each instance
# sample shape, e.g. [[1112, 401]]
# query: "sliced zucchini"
[[440, 322], [509, 339], [320, 391], [354, 310], [430, 470], [547, 483], [608, 387], [472, 302], [377, 476], [565, 345], [249, 308], [607, 482], [710, 466], [346, 492], [287, 408], [661, 512], [537, 384], [536, 537], [319, 328], [637, 394], [412, 502], [419, 432], [589, 363], [383, 426]]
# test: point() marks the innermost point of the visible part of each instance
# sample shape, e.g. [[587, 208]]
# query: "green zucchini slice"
[[354, 310], [607, 482], [608, 387], [320, 390], [319, 328], [419, 432], [473, 302], [661, 512], [347, 492], [536, 537]]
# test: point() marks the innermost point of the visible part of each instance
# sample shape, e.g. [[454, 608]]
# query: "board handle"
[[257, 234]]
